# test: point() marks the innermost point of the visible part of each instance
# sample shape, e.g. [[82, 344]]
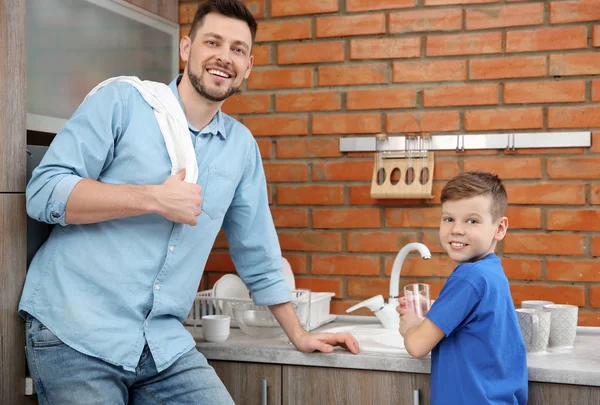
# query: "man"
[[106, 295]]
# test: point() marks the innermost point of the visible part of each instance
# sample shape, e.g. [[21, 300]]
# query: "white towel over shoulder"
[[171, 120]]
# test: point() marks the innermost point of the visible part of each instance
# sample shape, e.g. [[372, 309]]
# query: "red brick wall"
[[329, 68]]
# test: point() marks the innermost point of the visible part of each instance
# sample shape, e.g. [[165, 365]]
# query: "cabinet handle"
[[263, 392], [416, 397], [29, 388]]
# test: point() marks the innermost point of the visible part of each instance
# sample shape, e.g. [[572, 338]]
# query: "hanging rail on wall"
[[460, 143]]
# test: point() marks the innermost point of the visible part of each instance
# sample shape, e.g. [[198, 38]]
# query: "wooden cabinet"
[[246, 381], [13, 93], [168, 9], [318, 385], [13, 262], [561, 394], [300, 385], [13, 220]]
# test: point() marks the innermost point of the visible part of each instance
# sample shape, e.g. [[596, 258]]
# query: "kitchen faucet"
[[386, 313], [395, 278]]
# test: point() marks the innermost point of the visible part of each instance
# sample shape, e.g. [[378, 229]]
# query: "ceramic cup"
[[417, 298], [535, 327], [535, 304], [564, 326], [215, 328]]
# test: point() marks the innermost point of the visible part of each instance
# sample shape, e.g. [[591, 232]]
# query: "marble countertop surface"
[[580, 366]]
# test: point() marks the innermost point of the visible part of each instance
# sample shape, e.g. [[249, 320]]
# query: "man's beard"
[[213, 96]]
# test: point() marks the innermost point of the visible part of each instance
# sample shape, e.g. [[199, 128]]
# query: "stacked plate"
[[229, 286], [288, 274]]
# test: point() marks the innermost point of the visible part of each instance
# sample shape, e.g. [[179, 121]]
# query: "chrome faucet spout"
[[397, 266]]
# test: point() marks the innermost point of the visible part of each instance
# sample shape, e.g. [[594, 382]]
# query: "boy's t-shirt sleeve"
[[454, 307]]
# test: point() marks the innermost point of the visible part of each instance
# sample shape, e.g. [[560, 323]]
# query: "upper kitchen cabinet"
[[168, 9], [72, 45], [13, 78]]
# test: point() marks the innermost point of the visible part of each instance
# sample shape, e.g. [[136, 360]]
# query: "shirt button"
[[157, 287], [55, 214], [171, 248], [146, 323]]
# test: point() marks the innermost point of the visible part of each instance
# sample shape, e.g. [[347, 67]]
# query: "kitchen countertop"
[[581, 366]]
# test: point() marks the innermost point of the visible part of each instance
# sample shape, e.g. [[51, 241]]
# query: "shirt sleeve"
[[252, 238], [81, 149], [454, 307]]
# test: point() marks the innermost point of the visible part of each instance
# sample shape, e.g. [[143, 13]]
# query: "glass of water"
[[417, 298]]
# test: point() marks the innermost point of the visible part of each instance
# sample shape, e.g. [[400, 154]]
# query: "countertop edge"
[[374, 362], [573, 370], [338, 359]]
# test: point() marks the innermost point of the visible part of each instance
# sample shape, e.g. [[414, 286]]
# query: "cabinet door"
[[245, 381], [422, 383], [13, 263], [561, 394], [318, 385], [13, 94]]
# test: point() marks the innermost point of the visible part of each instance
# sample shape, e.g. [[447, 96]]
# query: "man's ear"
[[249, 69], [184, 48], [501, 229]]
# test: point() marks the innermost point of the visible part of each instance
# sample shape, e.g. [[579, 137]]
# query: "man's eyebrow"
[[214, 35], [219, 37]]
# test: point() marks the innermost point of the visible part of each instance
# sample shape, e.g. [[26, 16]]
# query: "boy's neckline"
[[486, 257]]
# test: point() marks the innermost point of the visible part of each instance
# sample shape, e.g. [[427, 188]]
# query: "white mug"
[[564, 326], [535, 328], [535, 304], [215, 328]]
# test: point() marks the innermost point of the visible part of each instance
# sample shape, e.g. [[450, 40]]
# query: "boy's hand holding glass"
[[408, 319]]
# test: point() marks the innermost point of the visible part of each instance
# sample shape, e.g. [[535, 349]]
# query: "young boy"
[[478, 354]]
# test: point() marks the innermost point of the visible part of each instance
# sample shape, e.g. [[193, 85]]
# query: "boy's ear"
[[501, 229]]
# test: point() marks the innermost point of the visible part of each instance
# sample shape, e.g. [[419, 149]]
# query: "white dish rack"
[[205, 304]]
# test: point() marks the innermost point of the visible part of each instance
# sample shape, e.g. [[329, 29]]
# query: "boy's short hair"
[[228, 8], [473, 184]]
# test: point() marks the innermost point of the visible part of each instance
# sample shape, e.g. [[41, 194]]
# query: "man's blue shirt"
[[482, 359], [107, 289]]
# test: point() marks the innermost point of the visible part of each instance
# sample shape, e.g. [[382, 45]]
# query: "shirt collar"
[[215, 127]]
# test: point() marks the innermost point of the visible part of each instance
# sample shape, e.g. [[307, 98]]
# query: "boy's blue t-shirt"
[[482, 358]]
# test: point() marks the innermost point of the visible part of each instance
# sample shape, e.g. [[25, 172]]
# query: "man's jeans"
[[64, 376]]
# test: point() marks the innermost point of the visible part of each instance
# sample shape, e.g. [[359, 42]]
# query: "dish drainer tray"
[[205, 304]]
